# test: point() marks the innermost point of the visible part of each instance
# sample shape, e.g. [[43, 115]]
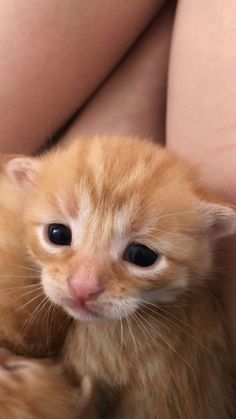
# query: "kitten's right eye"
[[59, 234], [140, 255]]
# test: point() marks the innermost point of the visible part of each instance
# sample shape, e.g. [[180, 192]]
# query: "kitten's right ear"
[[23, 171]]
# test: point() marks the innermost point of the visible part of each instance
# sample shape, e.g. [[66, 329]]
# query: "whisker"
[[24, 267], [13, 312], [129, 327], [21, 287], [20, 292], [171, 322], [54, 313], [121, 334], [66, 322], [30, 320], [161, 307], [138, 317], [10, 275], [19, 296], [164, 326], [139, 323], [49, 312], [165, 342]]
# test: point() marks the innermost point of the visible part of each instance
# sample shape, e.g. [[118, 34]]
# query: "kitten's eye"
[[140, 255], [59, 234]]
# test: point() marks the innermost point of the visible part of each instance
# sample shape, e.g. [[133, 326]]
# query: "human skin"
[[54, 55], [201, 107], [133, 100]]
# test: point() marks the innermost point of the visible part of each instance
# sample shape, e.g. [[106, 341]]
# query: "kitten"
[[124, 235], [38, 389]]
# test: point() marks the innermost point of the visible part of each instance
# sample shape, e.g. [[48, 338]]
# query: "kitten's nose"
[[84, 287]]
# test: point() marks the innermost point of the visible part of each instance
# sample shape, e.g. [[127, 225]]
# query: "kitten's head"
[[115, 223]]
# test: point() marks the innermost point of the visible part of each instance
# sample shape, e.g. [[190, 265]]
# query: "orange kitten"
[[124, 236]]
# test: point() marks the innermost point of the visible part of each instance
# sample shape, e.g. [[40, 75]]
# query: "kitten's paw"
[[42, 389], [14, 367], [9, 364], [4, 355]]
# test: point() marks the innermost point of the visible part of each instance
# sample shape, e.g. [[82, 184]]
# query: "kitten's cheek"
[[163, 295], [50, 290], [167, 294]]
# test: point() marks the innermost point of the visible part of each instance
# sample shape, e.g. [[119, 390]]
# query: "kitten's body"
[[160, 345]]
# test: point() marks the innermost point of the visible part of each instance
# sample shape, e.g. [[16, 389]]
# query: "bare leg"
[[53, 55], [202, 101], [132, 101]]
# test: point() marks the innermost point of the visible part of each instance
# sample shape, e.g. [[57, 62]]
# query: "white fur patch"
[[51, 288], [86, 210], [124, 216], [149, 273], [118, 247], [116, 308], [166, 294], [122, 220], [162, 295]]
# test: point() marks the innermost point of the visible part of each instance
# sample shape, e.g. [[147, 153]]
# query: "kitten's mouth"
[[80, 310]]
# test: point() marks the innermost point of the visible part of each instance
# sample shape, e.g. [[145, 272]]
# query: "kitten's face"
[[115, 224]]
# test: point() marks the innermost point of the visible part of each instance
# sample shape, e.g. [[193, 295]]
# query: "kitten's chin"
[[81, 313], [99, 312]]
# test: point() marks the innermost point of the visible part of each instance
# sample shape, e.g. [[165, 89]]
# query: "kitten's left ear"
[[23, 171], [220, 220]]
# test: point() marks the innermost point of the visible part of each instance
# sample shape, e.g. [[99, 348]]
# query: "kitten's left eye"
[[59, 234], [140, 255]]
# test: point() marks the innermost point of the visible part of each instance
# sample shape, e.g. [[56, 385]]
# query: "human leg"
[[132, 101], [54, 55], [201, 104]]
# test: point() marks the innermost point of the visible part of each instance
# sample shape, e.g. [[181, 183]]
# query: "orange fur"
[[160, 345], [30, 388], [22, 299]]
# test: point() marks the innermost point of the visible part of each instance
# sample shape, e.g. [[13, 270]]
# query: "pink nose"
[[84, 288]]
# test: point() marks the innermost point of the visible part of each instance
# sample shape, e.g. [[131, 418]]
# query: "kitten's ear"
[[220, 220], [23, 171]]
